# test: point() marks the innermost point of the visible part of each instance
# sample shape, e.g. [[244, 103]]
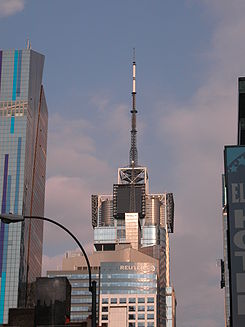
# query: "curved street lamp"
[[12, 218]]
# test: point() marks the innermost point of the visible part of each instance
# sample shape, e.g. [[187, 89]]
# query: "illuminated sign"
[[235, 186]]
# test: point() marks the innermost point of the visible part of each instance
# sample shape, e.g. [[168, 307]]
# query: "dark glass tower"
[[23, 145]]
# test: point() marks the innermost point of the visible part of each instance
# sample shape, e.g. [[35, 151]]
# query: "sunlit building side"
[[23, 146]]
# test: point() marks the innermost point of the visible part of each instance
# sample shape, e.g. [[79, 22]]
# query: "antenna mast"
[[133, 154]]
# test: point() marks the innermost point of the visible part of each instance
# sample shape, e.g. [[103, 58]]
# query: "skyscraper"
[[23, 145], [133, 216], [131, 261]]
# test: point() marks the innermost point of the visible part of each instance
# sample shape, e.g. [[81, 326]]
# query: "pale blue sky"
[[189, 54]]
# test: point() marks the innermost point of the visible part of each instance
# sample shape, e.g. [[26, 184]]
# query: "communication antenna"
[[133, 154]]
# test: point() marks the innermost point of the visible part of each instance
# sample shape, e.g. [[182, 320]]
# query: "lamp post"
[[11, 218]]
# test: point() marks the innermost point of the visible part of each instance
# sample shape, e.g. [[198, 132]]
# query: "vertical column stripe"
[[3, 210], [1, 58], [19, 74], [3, 282], [15, 75], [17, 184], [6, 228], [12, 125], [8, 194], [5, 251], [5, 180]]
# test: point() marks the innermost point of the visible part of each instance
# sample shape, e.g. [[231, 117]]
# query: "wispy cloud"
[[196, 132], [11, 7]]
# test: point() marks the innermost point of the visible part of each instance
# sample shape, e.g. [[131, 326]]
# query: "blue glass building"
[[23, 145]]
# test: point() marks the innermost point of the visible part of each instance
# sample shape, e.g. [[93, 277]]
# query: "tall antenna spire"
[[133, 154]]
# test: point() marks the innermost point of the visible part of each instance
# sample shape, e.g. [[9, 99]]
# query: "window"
[[122, 300], [150, 324], [141, 308], [104, 317], [141, 324], [104, 309], [150, 300], [150, 316], [105, 301], [150, 307], [141, 316], [131, 324], [131, 316], [131, 300], [113, 300], [131, 308], [141, 300]]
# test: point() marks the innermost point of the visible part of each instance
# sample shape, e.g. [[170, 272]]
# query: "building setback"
[[23, 146]]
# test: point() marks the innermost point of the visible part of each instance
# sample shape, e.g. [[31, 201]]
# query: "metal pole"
[[93, 303]]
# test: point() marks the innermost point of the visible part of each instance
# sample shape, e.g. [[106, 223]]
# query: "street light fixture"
[[12, 218]]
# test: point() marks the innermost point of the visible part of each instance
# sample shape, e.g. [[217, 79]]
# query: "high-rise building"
[[23, 145], [131, 240], [132, 215]]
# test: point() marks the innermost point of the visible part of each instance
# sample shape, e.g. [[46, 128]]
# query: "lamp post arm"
[[75, 239]]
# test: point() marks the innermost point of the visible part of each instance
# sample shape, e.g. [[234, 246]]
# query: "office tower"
[[23, 145], [134, 217], [131, 259], [232, 267]]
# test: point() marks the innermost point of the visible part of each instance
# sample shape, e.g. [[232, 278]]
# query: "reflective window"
[[122, 300], [150, 307], [150, 300], [131, 300], [104, 300], [150, 324], [114, 300], [141, 324], [141, 308], [141, 316], [150, 316], [141, 300]]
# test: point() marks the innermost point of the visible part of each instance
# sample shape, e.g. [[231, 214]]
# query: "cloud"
[[196, 132], [10, 7], [75, 171]]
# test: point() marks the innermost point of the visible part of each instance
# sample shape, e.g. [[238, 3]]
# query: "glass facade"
[[23, 145], [81, 300], [131, 287], [170, 307]]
